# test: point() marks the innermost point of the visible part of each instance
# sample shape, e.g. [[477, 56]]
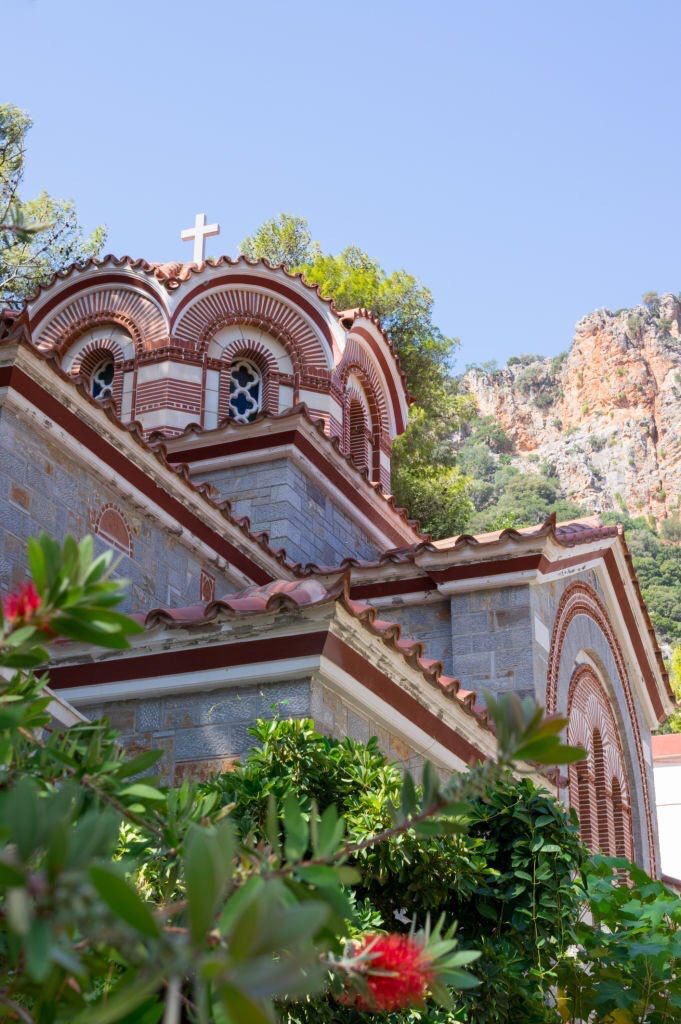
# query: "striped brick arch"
[[84, 355], [219, 309], [111, 525], [139, 315], [356, 362], [360, 430], [598, 786], [580, 599]]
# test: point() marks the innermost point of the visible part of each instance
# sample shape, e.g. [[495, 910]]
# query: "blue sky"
[[523, 159]]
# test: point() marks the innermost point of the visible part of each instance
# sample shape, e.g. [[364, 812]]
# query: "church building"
[[228, 432]]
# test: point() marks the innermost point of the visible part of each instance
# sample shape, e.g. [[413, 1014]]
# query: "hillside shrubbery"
[[503, 495]]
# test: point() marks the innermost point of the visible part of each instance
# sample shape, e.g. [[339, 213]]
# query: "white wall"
[[668, 800]]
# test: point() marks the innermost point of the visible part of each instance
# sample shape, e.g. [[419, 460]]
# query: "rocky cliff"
[[606, 415]]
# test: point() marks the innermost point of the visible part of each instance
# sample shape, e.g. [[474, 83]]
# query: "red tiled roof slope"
[[281, 594]]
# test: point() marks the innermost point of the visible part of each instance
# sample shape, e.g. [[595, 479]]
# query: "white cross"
[[199, 233]]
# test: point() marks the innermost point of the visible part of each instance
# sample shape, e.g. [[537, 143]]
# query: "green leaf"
[[294, 925], [296, 829], [207, 867], [125, 902], [23, 816], [142, 791], [36, 561], [549, 751], [37, 943], [272, 825], [239, 901], [139, 764], [408, 802], [20, 636], [330, 833], [318, 874], [349, 875], [10, 875], [242, 1009]]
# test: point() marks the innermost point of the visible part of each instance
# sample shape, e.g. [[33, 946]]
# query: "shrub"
[[670, 529], [545, 399], [516, 832]]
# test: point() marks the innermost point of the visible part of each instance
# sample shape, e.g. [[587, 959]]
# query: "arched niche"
[[583, 635], [599, 786]]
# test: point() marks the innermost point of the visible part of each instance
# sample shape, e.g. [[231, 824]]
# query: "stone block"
[[121, 716], [211, 741], [201, 771], [509, 618], [149, 715], [357, 727], [20, 496], [472, 622], [477, 665], [287, 700]]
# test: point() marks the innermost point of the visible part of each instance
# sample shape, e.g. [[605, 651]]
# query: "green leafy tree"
[[38, 236], [424, 476], [282, 241], [624, 965]]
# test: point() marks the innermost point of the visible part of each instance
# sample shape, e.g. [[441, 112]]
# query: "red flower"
[[398, 973], [21, 606]]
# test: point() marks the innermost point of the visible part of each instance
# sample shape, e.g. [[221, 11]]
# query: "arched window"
[[358, 434], [598, 785], [102, 379], [245, 391]]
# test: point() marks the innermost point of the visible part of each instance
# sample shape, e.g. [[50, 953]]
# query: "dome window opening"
[[245, 392], [101, 381]]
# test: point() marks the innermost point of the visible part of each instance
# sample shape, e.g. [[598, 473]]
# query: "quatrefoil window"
[[101, 381], [245, 391]]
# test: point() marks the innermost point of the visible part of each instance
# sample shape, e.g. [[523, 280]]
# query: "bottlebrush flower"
[[397, 973], [22, 605]]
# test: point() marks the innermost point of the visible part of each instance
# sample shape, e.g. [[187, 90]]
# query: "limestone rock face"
[[607, 415]]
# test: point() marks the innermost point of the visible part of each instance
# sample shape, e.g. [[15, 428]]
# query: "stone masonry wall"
[[202, 734], [294, 509], [43, 487], [430, 623], [492, 640]]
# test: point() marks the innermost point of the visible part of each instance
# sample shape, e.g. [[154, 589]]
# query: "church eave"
[[230, 441]]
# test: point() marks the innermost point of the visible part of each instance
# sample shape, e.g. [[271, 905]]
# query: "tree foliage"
[[38, 236], [658, 566]]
